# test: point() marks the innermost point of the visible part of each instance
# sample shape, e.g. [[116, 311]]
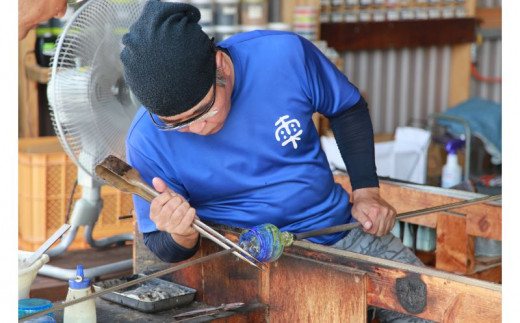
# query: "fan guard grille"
[[91, 106]]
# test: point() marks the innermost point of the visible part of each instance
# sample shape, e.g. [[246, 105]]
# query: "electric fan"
[[91, 110]]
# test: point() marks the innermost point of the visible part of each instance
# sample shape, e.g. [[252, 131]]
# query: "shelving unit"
[[398, 34]]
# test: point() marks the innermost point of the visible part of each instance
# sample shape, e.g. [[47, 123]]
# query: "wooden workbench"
[[316, 283]]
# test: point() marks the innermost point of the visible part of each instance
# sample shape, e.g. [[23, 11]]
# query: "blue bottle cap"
[[79, 282], [29, 306]]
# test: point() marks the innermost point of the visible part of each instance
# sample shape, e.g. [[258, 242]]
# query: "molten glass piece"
[[265, 242]]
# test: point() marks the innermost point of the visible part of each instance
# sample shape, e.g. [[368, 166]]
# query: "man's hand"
[[173, 214], [374, 213]]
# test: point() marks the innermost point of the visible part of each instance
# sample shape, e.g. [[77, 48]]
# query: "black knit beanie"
[[169, 62]]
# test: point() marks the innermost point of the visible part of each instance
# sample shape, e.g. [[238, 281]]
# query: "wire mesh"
[[91, 106]]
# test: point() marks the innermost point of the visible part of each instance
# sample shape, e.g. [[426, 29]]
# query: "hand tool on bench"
[[127, 179], [163, 272], [208, 311]]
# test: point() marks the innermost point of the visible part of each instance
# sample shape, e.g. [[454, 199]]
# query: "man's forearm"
[[355, 138], [165, 248]]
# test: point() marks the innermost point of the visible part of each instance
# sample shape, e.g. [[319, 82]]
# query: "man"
[[226, 134], [33, 12]]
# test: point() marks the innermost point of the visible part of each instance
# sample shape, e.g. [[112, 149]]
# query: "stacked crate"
[[46, 177]]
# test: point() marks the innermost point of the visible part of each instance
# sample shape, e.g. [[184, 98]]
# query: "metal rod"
[[226, 240], [350, 226], [223, 245], [128, 284], [46, 245]]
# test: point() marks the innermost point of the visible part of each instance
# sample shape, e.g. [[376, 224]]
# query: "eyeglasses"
[[206, 114]]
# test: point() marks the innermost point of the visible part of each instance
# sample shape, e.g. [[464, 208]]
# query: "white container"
[[206, 9], [434, 13], [392, 14], [460, 12], [84, 312], [324, 16], [337, 15], [226, 12], [448, 12], [27, 275], [451, 172], [365, 15], [379, 15], [253, 12], [351, 16]]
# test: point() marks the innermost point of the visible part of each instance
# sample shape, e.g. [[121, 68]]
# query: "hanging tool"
[[127, 179], [130, 283]]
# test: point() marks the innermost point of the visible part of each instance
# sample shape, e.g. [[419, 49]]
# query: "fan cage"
[[91, 106]]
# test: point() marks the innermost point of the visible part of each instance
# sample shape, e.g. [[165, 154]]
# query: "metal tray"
[[150, 296]]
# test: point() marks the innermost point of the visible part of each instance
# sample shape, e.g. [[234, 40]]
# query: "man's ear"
[[223, 62]]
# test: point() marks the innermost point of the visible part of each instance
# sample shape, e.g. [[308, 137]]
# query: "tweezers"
[[127, 179]]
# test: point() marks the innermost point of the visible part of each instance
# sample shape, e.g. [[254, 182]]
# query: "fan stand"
[[86, 213]]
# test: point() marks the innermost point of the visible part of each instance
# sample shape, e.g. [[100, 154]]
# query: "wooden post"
[[28, 108], [460, 74], [455, 250]]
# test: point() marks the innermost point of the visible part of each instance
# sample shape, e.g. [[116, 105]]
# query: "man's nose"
[[197, 126]]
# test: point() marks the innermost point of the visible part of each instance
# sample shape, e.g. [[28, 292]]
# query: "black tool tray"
[[153, 295]]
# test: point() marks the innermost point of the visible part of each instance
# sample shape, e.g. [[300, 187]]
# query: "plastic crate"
[[46, 176]]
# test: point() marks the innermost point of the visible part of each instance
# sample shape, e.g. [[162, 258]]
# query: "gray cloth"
[[386, 247]]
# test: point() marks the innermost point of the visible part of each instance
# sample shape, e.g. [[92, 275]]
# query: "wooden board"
[[301, 289], [382, 35], [450, 297], [455, 249]]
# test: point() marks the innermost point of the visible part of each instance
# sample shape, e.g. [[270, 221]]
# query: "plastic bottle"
[[84, 312], [451, 171]]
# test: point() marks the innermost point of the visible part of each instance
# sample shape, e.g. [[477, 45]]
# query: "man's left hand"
[[375, 214]]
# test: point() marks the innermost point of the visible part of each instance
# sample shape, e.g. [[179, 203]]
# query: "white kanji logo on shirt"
[[288, 131]]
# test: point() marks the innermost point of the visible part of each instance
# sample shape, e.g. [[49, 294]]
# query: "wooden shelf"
[[398, 34]]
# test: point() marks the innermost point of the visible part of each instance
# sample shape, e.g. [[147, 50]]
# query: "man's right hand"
[[173, 214]]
